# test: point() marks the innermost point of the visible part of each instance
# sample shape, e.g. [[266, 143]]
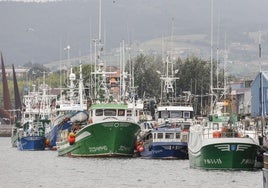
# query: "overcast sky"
[[32, 0], [39, 32]]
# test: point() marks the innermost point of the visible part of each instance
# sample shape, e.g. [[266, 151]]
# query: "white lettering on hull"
[[96, 149], [219, 161], [124, 148], [248, 161], [212, 161], [157, 151]]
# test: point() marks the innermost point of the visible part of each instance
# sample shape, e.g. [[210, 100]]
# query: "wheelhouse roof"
[[175, 108], [109, 106]]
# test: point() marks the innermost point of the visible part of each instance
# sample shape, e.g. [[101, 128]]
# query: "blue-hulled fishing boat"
[[167, 141], [29, 132], [32, 135]]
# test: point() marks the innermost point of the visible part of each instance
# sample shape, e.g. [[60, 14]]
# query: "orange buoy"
[[71, 134], [216, 134], [71, 138], [138, 143], [47, 142], [140, 148]]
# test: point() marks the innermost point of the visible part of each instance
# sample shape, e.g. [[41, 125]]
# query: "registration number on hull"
[[212, 161], [219, 161]]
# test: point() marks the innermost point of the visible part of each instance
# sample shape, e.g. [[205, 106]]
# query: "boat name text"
[[100, 148]]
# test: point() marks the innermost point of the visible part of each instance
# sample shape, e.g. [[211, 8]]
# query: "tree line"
[[193, 75]]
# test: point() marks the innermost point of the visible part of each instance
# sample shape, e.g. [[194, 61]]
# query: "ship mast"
[[211, 56]]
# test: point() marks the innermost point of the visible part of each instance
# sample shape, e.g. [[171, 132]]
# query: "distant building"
[[241, 97], [20, 72], [259, 93]]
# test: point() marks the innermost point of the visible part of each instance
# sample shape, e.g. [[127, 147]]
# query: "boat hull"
[[14, 137], [168, 150], [225, 155], [112, 138], [32, 143], [65, 122], [52, 135]]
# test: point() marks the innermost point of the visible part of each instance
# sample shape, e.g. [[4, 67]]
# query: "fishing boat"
[[222, 142], [167, 141], [109, 134], [32, 135], [168, 136], [69, 109], [182, 115], [30, 132], [112, 128], [64, 122], [171, 108]]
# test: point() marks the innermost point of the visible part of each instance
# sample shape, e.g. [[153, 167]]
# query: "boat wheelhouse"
[[175, 114]]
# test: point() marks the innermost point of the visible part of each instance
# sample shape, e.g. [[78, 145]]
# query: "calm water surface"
[[34, 169]]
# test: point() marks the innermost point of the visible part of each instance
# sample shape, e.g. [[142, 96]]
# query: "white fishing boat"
[[36, 114], [223, 142], [167, 135]]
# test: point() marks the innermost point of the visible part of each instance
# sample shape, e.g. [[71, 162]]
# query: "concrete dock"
[[5, 130]]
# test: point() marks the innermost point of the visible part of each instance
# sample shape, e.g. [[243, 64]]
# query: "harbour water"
[[33, 169]]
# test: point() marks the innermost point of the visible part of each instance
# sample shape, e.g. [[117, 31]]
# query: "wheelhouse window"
[[110, 112], [163, 114], [175, 114], [184, 138], [178, 135], [99, 112], [149, 137], [186, 115], [129, 113], [121, 112], [160, 135], [215, 126], [169, 135]]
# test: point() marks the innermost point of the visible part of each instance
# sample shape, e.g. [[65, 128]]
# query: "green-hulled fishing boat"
[[112, 128], [222, 143], [110, 132]]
